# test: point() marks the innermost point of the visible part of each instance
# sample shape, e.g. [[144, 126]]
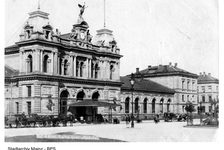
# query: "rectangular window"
[[203, 98], [217, 88], [182, 84], [210, 88], [182, 98], [188, 98], [29, 91], [188, 85], [28, 107], [17, 107], [210, 98], [203, 89]]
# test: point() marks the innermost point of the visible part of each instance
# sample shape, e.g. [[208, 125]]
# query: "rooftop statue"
[[82, 9]]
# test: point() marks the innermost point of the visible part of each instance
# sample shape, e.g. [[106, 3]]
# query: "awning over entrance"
[[91, 103]]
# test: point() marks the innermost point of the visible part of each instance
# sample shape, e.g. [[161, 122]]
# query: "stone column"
[[55, 63], [86, 68], [90, 67], [41, 61], [74, 66], [21, 61]]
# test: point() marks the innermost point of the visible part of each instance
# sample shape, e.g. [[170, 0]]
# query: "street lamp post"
[[132, 90], [200, 109]]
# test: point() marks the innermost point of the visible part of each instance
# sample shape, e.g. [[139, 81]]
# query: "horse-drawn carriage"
[[33, 120], [169, 117]]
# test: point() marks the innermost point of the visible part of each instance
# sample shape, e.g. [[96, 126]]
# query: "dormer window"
[[47, 30]]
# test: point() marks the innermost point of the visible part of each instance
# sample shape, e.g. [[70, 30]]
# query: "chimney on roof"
[[209, 74], [175, 65], [137, 70], [200, 73], [204, 74], [160, 65], [149, 66], [170, 64]]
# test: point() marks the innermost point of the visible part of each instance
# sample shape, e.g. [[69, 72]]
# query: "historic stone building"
[[46, 71], [148, 98], [208, 91], [182, 82]]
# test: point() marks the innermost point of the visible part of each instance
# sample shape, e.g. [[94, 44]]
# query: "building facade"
[[182, 82], [47, 71], [208, 92], [148, 98]]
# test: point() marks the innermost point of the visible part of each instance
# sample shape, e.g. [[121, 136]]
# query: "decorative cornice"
[[61, 79]]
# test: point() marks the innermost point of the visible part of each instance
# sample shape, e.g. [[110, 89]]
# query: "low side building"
[[148, 98], [182, 82], [208, 91]]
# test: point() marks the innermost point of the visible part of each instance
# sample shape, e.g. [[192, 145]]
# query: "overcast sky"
[[148, 32]]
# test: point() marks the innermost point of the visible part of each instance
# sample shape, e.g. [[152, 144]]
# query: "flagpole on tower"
[[38, 5], [104, 24]]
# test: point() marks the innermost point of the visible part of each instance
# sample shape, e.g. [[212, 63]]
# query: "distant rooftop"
[[143, 85], [206, 78], [10, 72], [164, 70]]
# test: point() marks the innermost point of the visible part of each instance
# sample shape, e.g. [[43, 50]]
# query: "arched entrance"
[[63, 102], [80, 111], [153, 105]]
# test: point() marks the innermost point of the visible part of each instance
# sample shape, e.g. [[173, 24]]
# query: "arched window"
[[145, 105], [153, 105], [80, 96], [127, 102], [30, 64], [95, 96], [66, 67], [136, 105], [63, 102], [45, 68], [161, 105], [168, 105], [111, 71]]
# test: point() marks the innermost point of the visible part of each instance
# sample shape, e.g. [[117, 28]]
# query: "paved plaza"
[[147, 131]]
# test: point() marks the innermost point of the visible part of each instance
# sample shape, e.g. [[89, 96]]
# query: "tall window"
[[145, 106], [60, 65], [66, 67], [45, 69], [187, 97], [188, 84], [29, 64], [127, 105], [182, 84], [81, 69], [182, 98], [17, 107], [136, 105], [203, 88], [168, 105], [96, 71], [161, 105], [210, 98], [111, 71], [29, 91], [28, 107], [203, 98], [153, 105]]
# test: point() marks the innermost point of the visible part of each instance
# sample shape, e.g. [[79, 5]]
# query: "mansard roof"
[[10, 72], [165, 70], [143, 85], [207, 78]]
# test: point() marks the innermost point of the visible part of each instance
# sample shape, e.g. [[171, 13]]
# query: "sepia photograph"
[[110, 71]]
